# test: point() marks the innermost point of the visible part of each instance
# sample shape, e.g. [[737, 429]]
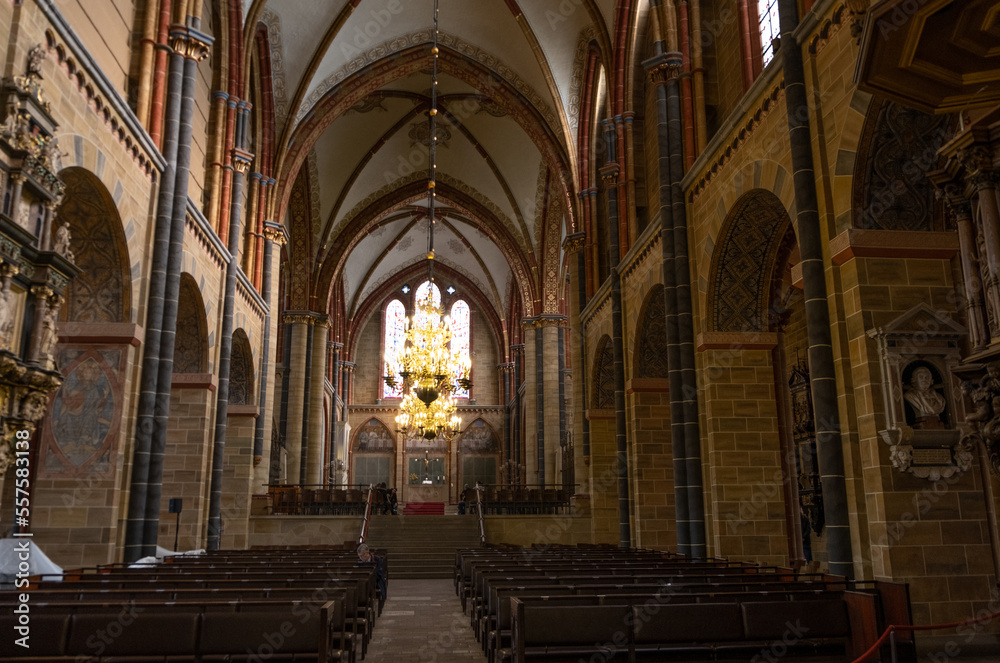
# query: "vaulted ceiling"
[[352, 84]]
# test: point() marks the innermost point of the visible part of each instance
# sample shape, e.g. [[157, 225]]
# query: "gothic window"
[[461, 336], [395, 338], [425, 288], [767, 11]]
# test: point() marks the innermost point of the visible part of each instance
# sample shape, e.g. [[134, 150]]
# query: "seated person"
[[366, 558]]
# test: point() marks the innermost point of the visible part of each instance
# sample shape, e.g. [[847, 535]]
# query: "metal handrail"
[[479, 507], [368, 511]]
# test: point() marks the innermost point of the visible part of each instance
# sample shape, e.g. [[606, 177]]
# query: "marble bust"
[[926, 401]]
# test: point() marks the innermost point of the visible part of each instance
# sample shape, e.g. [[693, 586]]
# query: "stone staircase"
[[422, 546]]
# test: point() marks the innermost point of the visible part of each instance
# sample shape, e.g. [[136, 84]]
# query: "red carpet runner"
[[424, 509]]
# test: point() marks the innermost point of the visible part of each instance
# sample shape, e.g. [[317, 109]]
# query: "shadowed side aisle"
[[422, 622]]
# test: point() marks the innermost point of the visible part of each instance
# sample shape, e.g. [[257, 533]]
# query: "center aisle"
[[422, 622]]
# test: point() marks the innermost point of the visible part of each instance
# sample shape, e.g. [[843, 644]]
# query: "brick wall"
[[744, 480], [368, 357]]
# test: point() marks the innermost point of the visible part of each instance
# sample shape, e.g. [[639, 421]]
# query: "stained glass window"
[[395, 339], [767, 10], [434, 291], [460, 337]]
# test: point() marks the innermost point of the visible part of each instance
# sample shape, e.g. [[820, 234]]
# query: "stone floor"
[[423, 622]]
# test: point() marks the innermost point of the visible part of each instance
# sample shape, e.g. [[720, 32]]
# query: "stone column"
[[316, 443], [191, 46], [975, 311], [334, 370], [518, 416], [551, 385], [574, 244], [347, 381], [241, 166], [983, 182], [534, 398], [822, 373], [274, 234], [299, 324], [609, 174]]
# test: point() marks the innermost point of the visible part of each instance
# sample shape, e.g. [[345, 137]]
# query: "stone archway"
[[241, 373], [749, 294], [81, 437]]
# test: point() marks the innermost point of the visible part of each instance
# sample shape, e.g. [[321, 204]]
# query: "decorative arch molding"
[[241, 371], [300, 229], [578, 96], [897, 148], [650, 355], [341, 98], [333, 263], [373, 436], [373, 56], [518, 232], [479, 438], [764, 175], [102, 292], [603, 379], [739, 292], [191, 344], [379, 298]]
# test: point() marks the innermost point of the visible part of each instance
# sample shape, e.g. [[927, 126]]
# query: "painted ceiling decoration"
[[351, 98]]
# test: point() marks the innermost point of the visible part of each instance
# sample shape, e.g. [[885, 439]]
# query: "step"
[[422, 546]]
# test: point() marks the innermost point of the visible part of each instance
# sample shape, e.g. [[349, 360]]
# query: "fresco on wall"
[[373, 437], [80, 434], [479, 439]]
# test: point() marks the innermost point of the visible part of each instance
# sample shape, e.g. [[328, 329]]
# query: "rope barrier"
[[932, 627]]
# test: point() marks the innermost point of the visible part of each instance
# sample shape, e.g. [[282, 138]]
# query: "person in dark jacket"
[[367, 558]]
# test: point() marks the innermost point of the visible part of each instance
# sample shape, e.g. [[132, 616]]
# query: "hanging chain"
[[432, 168]]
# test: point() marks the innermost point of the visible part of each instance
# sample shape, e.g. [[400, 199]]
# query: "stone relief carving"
[[919, 351]]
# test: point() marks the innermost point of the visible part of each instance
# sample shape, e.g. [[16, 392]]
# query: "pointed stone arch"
[[603, 395], [241, 373], [191, 344], [373, 437], [898, 147], [650, 356], [102, 292], [745, 257], [479, 438]]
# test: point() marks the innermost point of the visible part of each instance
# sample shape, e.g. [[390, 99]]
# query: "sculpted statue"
[[49, 333], [6, 314], [62, 242], [926, 401]]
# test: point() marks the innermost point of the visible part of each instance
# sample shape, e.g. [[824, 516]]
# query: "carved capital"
[[982, 180], [190, 43], [574, 242], [297, 319], [242, 160], [274, 233], [661, 69], [41, 292], [348, 366], [976, 160], [957, 204], [8, 270], [609, 173]]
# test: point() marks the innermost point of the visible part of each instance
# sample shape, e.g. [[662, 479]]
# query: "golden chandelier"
[[429, 373], [430, 370]]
